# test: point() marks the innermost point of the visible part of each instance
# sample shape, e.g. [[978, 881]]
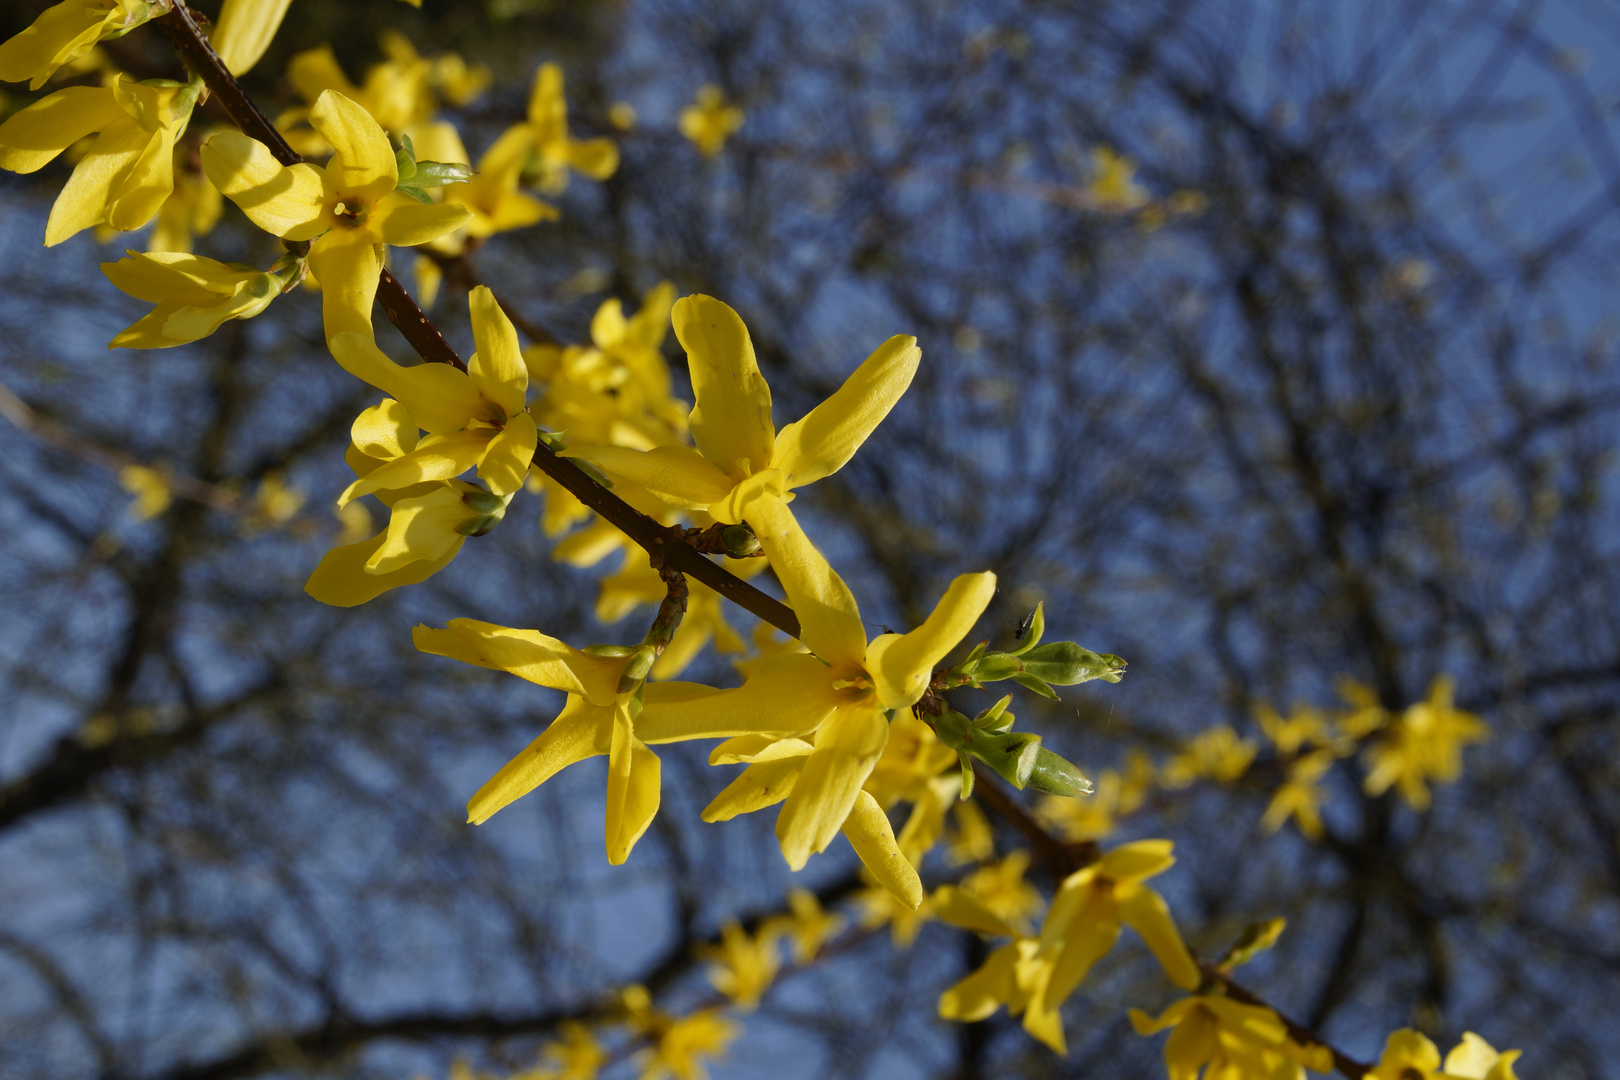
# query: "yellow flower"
[[1300, 796], [808, 927], [459, 84], [427, 526], [1424, 743], [545, 142], [709, 121], [192, 208], [492, 196], [1217, 754], [579, 1056], [1366, 714], [1476, 1059], [1003, 890], [244, 30], [398, 93], [349, 208], [622, 115], [637, 583], [743, 967], [1113, 185], [1408, 1055], [1231, 1039], [193, 296], [768, 641], [67, 31], [1304, 727], [151, 489], [684, 1043], [1084, 819], [127, 172], [972, 841], [741, 460], [881, 905], [1036, 975]]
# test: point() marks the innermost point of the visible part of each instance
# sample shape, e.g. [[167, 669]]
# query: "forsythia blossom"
[[67, 31]]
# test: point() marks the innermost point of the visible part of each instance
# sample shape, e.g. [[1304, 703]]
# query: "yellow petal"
[[61, 34], [762, 784], [439, 397], [84, 198], [497, 367], [632, 789], [362, 165], [1082, 941], [748, 749], [422, 528], [596, 158], [506, 460], [1145, 911], [828, 435], [404, 222], [1471, 1058], [829, 620], [901, 663], [530, 655], [608, 325], [848, 744], [348, 266], [1136, 861], [385, 431], [438, 457], [314, 71], [731, 422], [137, 196], [788, 694], [1175, 1014], [342, 581], [981, 993], [546, 103], [677, 475], [244, 30], [1255, 1023], [963, 909], [285, 201], [1194, 1042], [34, 136], [872, 837], [582, 730]]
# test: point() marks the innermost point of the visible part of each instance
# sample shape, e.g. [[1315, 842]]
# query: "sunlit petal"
[[901, 663], [828, 435], [581, 731], [870, 834], [731, 422], [848, 744]]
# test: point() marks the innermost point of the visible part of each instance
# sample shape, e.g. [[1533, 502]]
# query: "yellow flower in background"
[[192, 208], [972, 841], [1113, 185], [349, 208], [1230, 1039], [1300, 796], [1217, 754], [637, 584], [1079, 820], [492, 196], [193, 296], [1423, 744], [275, 500], [622, 115], [475, 418], [879, 906], [427, 525], [1035, 976], [1408, 1055], [244, 30], [67, 31], [128, 170], [578, 1056], [682, 1046], [709, 121], [1001, 888], [1303, 727], [151, 489], [743, 967], [1367, 714], [545, 143], [808, 927], [457, 83], [1476, 1059]]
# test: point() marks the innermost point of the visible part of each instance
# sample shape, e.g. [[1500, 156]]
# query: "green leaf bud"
[[1011, 754], [993, 667], [1030, 682], [739, 541], [1032, 630], [996, 718], [953, 729], [1056, 775], [1063, 663], [636, 668]]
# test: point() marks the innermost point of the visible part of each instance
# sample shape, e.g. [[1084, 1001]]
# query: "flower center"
[[351, 214]]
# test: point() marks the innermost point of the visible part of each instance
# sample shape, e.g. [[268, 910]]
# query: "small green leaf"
[[1063, 663], [1056, 775], [992, 667], [1031, 682], [1037, 627], [967, 775]]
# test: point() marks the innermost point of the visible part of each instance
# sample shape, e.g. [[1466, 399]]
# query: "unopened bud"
[[636, 668], [739, 541], [1012, 754], [953, 729], [1063, 663], [1056, 775]]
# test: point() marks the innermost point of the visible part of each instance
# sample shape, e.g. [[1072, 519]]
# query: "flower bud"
[[1055, 775], [636, 668], [1012, 754], [739, 541], [992, 667], [953, 729], [1063, 663]]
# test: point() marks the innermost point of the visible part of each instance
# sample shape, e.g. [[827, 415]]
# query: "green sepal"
[[1037, 627], [967, 775], [1063, 663], [1035, 683], [1055, 775]]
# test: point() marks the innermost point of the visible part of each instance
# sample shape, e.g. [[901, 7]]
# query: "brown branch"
[[425, 338]]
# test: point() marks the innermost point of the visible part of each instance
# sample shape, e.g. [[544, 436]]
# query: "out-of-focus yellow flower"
[[1408, 1055], [1002, 889], [972, 840], [578, 1056], [127, 172], [709, 121], [1303, 727], [356, 522], [808, 927], [493, 197], [684, 1044], [1476, 1059], [1079, 820], [1113, 185], [1300, 796], [1366, 714], [637, 583], [545, 143], [349, 208], [1231, 1039], [244, 30], [743, 967], [398, 93], [193, 295], [66, 32], [1424, 743], [192, 208], [275, 500], [1217, 754], [878, 906], [622, 115], [1036, 975], [151, 489], [457, 83]]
